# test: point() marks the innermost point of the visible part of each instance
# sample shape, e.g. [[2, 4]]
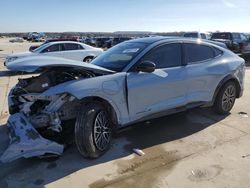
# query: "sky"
[[124, 15]]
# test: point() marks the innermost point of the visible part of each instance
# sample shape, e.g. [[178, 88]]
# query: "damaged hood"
[[39, 63]]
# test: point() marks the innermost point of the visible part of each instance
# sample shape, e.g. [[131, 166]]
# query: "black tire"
[[86, 134], [88, 59], [225, 98]]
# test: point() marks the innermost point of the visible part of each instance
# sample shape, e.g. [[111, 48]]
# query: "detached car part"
[[26, 142]]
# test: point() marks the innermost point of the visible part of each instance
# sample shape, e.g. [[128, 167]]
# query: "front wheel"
[[93, 131], [225, 99]]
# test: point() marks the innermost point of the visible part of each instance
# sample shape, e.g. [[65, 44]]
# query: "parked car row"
[[237, 42], [104, 42], [66, 48], [35, 37], [134, 81], [116, 40]]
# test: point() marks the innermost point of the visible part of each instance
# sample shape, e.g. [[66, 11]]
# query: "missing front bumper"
[[26, 142]]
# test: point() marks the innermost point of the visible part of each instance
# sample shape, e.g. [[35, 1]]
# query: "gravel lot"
[[192, 149]]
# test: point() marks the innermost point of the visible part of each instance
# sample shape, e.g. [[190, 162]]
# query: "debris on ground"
[[244, 156], [138, 151], [243, 114]]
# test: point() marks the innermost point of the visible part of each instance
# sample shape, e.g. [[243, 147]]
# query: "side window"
[[52, 48], [198, 52], [168, 55], [203, 36], [70, 46]]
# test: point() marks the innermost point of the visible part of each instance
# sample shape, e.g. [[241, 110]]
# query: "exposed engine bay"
[[37, 121]]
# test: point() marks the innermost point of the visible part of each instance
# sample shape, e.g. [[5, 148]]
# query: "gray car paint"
[[194, 83], [137, 95], [108, 87]]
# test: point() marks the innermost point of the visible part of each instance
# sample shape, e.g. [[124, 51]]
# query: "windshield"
[[42, 46], [118, 57]]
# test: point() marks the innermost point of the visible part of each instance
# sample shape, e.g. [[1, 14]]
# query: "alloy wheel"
[[228, 98], [102, 131]]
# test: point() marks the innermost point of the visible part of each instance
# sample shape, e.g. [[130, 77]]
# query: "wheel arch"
[[107, 104], [226, 79]]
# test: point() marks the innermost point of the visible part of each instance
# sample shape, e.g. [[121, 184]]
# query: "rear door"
[[202, 74], [73, 51], [150, 93]]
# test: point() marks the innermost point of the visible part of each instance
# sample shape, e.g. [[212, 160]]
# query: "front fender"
[[108, 87]]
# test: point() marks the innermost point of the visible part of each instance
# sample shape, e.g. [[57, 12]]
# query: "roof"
[[74, 42], [60, 42], [151, 40]]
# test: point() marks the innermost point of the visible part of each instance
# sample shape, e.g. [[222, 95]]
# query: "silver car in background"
[[134, 81]]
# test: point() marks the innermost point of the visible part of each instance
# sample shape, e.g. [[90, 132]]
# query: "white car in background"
[[63, 49]]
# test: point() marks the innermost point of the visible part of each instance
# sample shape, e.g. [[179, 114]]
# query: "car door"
[[73, 51], [150, 93], [202, 72], [53, 50]]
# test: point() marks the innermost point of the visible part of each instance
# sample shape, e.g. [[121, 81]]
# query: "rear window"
[[198, 52], [221, 36]]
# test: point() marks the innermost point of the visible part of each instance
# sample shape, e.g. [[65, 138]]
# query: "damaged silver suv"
[[134, 81]]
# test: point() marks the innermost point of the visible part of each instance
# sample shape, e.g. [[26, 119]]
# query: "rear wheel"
[[225, 98], [93, 131]]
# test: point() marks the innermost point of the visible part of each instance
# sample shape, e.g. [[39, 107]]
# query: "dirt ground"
[[192, 149]]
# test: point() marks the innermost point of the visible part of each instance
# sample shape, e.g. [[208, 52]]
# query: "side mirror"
[[146, 66]]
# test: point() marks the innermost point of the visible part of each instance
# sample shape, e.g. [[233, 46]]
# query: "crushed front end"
[[37, 124]]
